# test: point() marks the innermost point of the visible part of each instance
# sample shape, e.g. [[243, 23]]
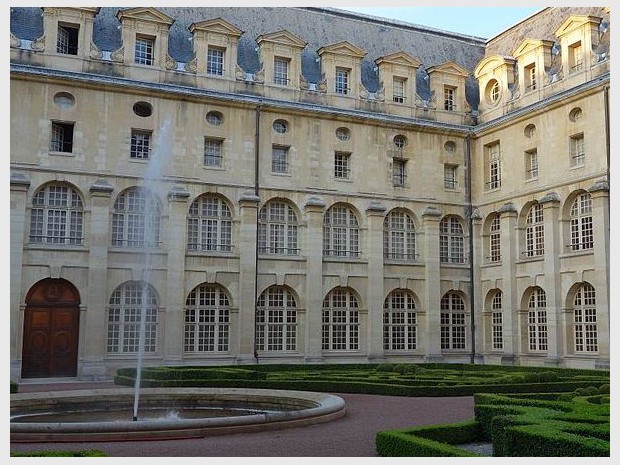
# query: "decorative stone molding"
[[375, 207], [475, 215], [321, 86], [118, 55], [602, 185], [19, 180], [239, 73], [38, 45], [362, 91], [171, 63], [259, 76], [380, 93], [303, 83], [15, 42], [95, 52], [550, 197], [192, 66], [315, 202], [432, 212], [249, 198], [101, 187], [507, 208], [178, 193]]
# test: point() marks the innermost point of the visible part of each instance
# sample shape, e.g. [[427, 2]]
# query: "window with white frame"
[[342, 81], [57, 216], [399, 172], [277, 229], [342, 165], [585, 329], [129, 304], [67, 39], [451, 241], [531, 164], [399, 88], [453, 322], [209, 225], [276, 320], [495, 240], [213, 151], [537, 321], [577, 150], [340, 320], [340, 232], [207, 320], [400, 325], [215, 61], [279, 159], [144, 50], [497, 332], [449, 98], [575, 57], [530, 77], [281, 71], [493, 166], [449, 176], [61, 138], [581, 229], [535, 231], [399, 236], [140, 148], [136, 219]]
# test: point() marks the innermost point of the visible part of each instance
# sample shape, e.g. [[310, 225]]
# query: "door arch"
[[51, 330]]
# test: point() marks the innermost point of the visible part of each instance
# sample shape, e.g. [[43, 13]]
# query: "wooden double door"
[[51, 330]]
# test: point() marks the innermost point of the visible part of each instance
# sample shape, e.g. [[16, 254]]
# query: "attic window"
[[530, 131], [144, 50], [492, 91], [64, 100], [143, 109], [67, 41], [575, 114], [449, 146], [215, 118], [400, 141], [280, 126], [343, 134]]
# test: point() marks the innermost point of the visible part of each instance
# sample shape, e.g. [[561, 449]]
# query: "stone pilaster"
[[375, 294], [432, 291], [510, 300], [477, 298]]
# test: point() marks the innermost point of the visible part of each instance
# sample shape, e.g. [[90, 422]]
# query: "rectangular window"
[[449, 176], [144, 50], [213, 152], [215, 61], [530, 77], [279, 159], [577, 150], [575, 57], [399, 86], [449, 98], [61, 139], [280, 71], [341, 165], [531, 164], [494, 173], [399, 173], [342, 81], [140, 145], [67, 41]]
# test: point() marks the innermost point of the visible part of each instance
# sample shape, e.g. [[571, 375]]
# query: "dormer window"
[[281, 71], [342, 81], [144, 50], [530, 77], [67, 40], [575, 57], [399, 89], [215, 61], [449, 97]]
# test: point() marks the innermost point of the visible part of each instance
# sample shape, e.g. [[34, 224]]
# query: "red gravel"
[[350, 436]]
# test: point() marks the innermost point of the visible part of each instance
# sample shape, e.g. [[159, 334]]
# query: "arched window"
[[57, 216], [586, 330], [495, 240], [276, 320], [399, 236], [451, 240], [209, 225], [340, 320], [581, 236], [497, 333], [453, 321], [340, 232], [129, 303], [277, 229], [537, 321], [535, 232], [207, 319], [136, 219], [400, 321]]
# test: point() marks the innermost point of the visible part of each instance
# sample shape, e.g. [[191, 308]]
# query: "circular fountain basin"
[[163, 413]]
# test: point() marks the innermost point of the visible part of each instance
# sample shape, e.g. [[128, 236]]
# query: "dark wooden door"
[[51, 330]]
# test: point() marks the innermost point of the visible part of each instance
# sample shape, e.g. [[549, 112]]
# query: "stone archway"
[[51, 330]]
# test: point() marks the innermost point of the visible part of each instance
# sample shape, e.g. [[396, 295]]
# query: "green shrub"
[[14, 387]]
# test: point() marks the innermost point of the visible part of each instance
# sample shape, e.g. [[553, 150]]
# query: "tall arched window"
[[277, 229], [129, 303], [399, 236], [276, 320], [56, 216], [451, 241], [537, 321], [535, 232], [497, 332], [340, 320], [136, 219], [586, 330], [207, 319], [209, 225], [340, 232], [495, 240], [581, 236], [453, 321], [400, 321]]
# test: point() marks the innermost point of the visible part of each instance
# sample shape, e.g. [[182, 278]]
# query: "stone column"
[[175, 276], [248, 213], [475, 256], [315, 209], [93, 318], [510, 300], [553, 249], [375, 294], [432, 289], [600, 220], [19, 199]]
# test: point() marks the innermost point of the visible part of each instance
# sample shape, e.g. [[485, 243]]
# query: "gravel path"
[[350, 436]]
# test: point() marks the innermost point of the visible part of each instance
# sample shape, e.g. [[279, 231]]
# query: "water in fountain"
[[152, 183]]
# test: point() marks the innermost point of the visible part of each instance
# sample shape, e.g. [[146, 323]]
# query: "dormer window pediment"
[[146, 14], [577, 22], [343, 48], [216, 26], [399, 58], [282, 37], [532, 46]]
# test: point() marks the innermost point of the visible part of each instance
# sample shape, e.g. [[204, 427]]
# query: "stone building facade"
[[305, 185]]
